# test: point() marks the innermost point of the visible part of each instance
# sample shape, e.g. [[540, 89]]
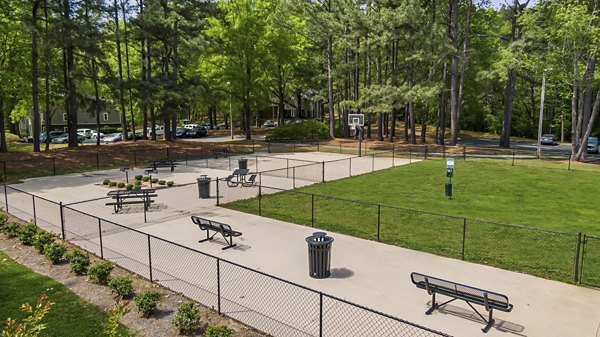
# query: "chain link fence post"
[[323, 173], [464, 153], [320, 314], [219, 286], [379, 222], [312, 210], [259, 198], [62, 221], [576, 279], [100, 236], [150, 258], [6, 197], [464, 236], [217, 181], [34, 213]]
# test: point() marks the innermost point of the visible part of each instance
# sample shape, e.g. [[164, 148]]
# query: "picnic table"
[[239, 177], [164, 163], [131, 197]]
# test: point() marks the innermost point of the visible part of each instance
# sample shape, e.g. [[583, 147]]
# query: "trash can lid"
[[319, 240]]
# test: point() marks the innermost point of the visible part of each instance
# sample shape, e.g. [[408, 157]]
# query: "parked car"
[[160, 130], [113, 137], [53, 134], [269, 124], [549, 139], [95, 134], [138, 135], [207, 126], [190, 126], [190, 133], [592, 145], [65, 139], [87, 133]]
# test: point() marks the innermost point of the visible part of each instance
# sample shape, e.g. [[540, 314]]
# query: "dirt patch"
[[157, 325]]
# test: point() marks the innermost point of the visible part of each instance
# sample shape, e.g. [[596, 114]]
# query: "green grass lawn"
[[70, 315], [531, 194]]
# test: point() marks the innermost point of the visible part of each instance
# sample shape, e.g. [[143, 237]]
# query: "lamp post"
[[540, 124]]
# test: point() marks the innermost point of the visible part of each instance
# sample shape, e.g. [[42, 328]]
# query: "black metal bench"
[[217, 227], [164, 163], [131, 197], [250, 181], [488, 299]]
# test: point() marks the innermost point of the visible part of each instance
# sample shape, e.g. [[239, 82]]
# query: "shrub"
[[161, 182], [3, 219], [112, 326], [170, 183], [41, 239], [79, 261], [11, 229], [55, 252], [146, 178], [31, 326], [218, 331], [188, 316], [137, 187], [154, 180], [121, 185], [139, 177], [307, 130], [121, 286], [138, 183], [112, 184], [100, 272], [26, 233], [128, 187], [147, 301], [106, 182]]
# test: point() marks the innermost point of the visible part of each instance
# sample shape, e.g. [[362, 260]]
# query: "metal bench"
[[131, 197], [488, 299], [217, 227], [164, 163], [250, 181]]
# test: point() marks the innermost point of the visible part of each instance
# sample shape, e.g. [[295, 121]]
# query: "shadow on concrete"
[[500, 325], [341, 273]]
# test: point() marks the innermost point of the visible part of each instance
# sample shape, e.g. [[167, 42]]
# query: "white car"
[[87, 133], [95, 134], [160, 130]]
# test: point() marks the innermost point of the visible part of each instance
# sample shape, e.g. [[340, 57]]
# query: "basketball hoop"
[[356, 122]]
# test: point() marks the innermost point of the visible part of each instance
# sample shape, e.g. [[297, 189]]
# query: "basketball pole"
[[360, 136]]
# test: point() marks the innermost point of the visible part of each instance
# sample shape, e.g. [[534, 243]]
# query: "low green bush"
[[147, 301], [137, 187], [112, 184], [3, 219], [11, 229], [307, 130], [41, 239], [146, 178], [79, 261], [138, 183], [218, 331], [55, 252], [26, 233], [162, 182], [122, 286], [154, 180], [187, 317], [170, 183], [121, 185], [139, 177], [100, 272], [106, 182]]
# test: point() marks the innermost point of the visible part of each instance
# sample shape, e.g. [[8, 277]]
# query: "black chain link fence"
[[538, 252], [265, 302]]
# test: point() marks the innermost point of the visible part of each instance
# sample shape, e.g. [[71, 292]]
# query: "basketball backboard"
[[356, 119]]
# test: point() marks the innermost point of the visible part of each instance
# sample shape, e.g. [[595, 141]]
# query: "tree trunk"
[[3, 146], [574, 108], [149, 68], [380, 126], [34, 77], [509, 96], [583, 149], [127, 69], [71, 84], [442, 112], [144, 92], [120, 68], [247, 112], [454, 121], [47, 119], [463, 62], [330, 78], [424, 126]]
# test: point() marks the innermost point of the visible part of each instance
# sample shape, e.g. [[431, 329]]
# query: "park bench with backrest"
[[217, 227], [131, 197], [164, 163], [489, 300]]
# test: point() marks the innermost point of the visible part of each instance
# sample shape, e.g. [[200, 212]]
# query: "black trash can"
[[243, 163], [319, 255], [204, 187]]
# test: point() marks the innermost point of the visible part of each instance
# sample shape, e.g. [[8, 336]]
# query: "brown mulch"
[[157, 325]]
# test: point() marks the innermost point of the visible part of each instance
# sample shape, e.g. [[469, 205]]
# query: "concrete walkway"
[[377, 276]]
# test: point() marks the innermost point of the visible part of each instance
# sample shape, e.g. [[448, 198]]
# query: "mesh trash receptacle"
[[204, 187], [243, 163], [319, 255]]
